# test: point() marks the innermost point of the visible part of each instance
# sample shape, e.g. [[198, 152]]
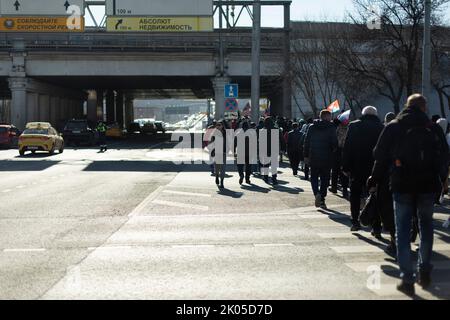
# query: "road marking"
[[109, 248], [180, 205], [322, 216], [342, 235], [25, 250], [183, 246], [146, 202], [356, 249], [188, 193], [363, 266], [265, 245], [20, 187], [6, 191]]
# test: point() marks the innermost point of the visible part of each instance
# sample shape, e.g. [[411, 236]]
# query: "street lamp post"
[[426, 64], [256, 60]]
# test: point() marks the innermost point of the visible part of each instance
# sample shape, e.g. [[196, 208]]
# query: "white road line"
[[109, 248], [356, 249], [265, 245], [146, 202], [180, 205], [363, 266], [188, 193], [20, 187], [25, 250], [183, 246], [343, 235], [6, 191]]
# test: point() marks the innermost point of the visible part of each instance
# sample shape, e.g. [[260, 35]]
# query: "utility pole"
[[256, 60], [426, 63]]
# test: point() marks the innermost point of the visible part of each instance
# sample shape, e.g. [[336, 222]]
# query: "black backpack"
[[417, 154]]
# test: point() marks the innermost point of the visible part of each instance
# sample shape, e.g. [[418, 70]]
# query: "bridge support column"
[[119, 108], [19, 114], [101, 105], [31, 101], [44, 107], [92, 106], [219, 95], [129, 110], [110, 107]]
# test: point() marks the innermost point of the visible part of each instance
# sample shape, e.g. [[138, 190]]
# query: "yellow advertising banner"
[[42, 24], [159, 24]]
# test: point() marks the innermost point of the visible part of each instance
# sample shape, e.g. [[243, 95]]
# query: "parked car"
[[9, 135], [79, 131], [40, 136]]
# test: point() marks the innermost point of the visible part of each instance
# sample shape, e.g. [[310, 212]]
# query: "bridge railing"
[[271, 41]]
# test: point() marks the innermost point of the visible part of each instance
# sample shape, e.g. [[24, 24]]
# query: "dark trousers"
[[102, 138], [247, 168], [322, 174], [337, 174], [307, 169], [357, 191], [294, 160], [386, 207]]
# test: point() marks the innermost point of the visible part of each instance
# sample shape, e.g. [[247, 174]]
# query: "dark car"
[[9, 135], [79, 132]]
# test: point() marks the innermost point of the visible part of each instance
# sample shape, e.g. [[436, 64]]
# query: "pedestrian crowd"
[[402, 161]]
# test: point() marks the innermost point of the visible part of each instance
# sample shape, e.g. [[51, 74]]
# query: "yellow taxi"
[[40, 136], [115, 131]]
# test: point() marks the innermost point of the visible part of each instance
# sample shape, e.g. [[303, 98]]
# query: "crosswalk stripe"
[[343, 235], [356, 249], [180, 205], [25, 250], [188, 193], [273, 245]]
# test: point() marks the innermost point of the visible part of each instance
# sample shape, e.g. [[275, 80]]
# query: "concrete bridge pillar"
[[119, 108], [19, 110], [110, 107], [92, 106], [54, 109], [219, 95], [129, 110], [101, 105], [44, 107]]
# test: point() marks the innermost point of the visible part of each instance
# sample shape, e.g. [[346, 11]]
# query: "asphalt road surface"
[[132, 224]]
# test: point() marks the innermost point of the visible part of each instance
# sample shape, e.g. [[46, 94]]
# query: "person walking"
[[337, 173], [385, 204], [412, 152], [220, 153], [269, 129], [101, 129], [293, 148], [303, 133], [320, 144], [357, 160], [243, 154]]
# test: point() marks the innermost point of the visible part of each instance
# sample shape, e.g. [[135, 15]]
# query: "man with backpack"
[[412, 152]]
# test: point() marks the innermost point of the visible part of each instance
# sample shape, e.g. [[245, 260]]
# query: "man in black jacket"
[[320, 144], [358, 159], [293, 148], [413, 152]]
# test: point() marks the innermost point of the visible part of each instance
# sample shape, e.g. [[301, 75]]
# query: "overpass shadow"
[[29, 165]]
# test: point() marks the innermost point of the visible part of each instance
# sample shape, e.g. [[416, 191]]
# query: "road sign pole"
[[426, 64], [256, 60]]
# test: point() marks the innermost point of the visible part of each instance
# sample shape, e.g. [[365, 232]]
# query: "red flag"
[[334, 107]]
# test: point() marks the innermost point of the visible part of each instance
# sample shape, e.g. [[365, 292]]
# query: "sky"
[[301, 10]]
